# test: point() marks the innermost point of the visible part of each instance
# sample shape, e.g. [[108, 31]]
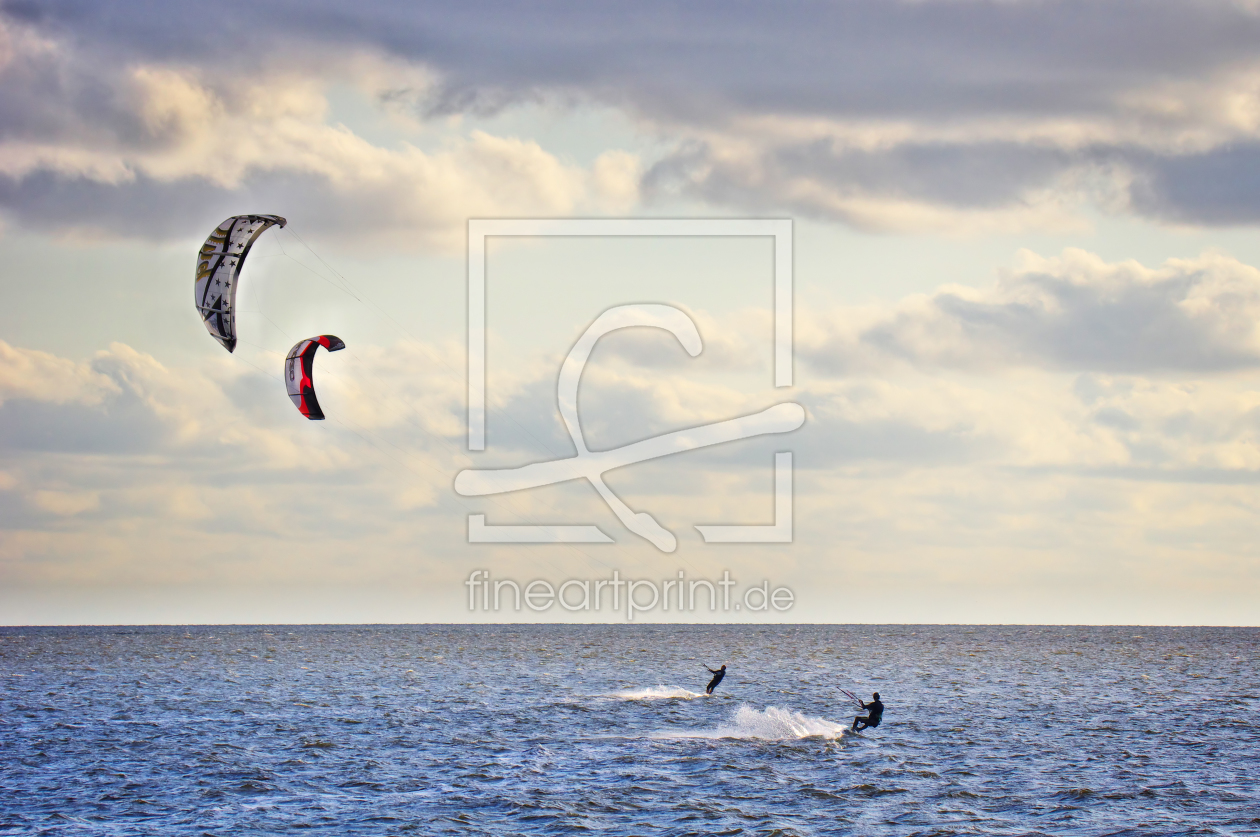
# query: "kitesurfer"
[[717, 678], [874, 714]]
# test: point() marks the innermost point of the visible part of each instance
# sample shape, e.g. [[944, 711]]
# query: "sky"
[[1026, 290]]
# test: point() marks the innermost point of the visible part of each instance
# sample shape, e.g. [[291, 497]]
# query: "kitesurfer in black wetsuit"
[[717, 678], [874, 714]]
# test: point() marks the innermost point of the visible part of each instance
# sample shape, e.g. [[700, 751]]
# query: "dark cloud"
[[1216, 187], [979, 175], [142, 207], [139, 208], [120, 426], [861, 57], [978, 74]]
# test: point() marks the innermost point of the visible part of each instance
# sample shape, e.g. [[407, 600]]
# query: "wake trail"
[[770, 724], [657, 693]]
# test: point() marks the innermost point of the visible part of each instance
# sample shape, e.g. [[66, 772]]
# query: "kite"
[[218, 266], [297, 373]]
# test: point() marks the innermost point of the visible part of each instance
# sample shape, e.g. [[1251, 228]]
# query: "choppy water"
[[557, 730]]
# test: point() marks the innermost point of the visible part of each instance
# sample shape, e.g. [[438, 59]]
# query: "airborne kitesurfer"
[[717, 678], [874, 714]]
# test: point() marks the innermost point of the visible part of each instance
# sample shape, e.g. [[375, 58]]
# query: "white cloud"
[[31, 374], [67, 503], [228, 485], [1071, 312]]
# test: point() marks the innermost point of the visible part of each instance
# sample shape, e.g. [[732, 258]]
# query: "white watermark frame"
[[779, 419]]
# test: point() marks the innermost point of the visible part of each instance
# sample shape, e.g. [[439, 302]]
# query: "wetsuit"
[[874, 714], [717, 678]]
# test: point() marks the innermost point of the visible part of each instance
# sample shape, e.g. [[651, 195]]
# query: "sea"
[[605, 729]]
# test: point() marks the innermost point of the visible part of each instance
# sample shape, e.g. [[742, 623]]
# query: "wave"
[[658, 693], [772, 724]]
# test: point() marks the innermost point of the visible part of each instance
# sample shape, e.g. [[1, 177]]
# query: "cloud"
[[1072, 312], [995, 378], [221, 424], [910, 186], [40, 376], [1067, 362], [885, 115], [1186, 429], [148, 149], [1220, 186], [67, 503], [223, 484], [711, 62], [120, 467]]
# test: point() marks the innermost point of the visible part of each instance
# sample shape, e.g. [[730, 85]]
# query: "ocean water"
[[506, 730]]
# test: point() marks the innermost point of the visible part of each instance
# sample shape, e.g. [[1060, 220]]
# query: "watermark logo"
[[680, 595], [591, 465]]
